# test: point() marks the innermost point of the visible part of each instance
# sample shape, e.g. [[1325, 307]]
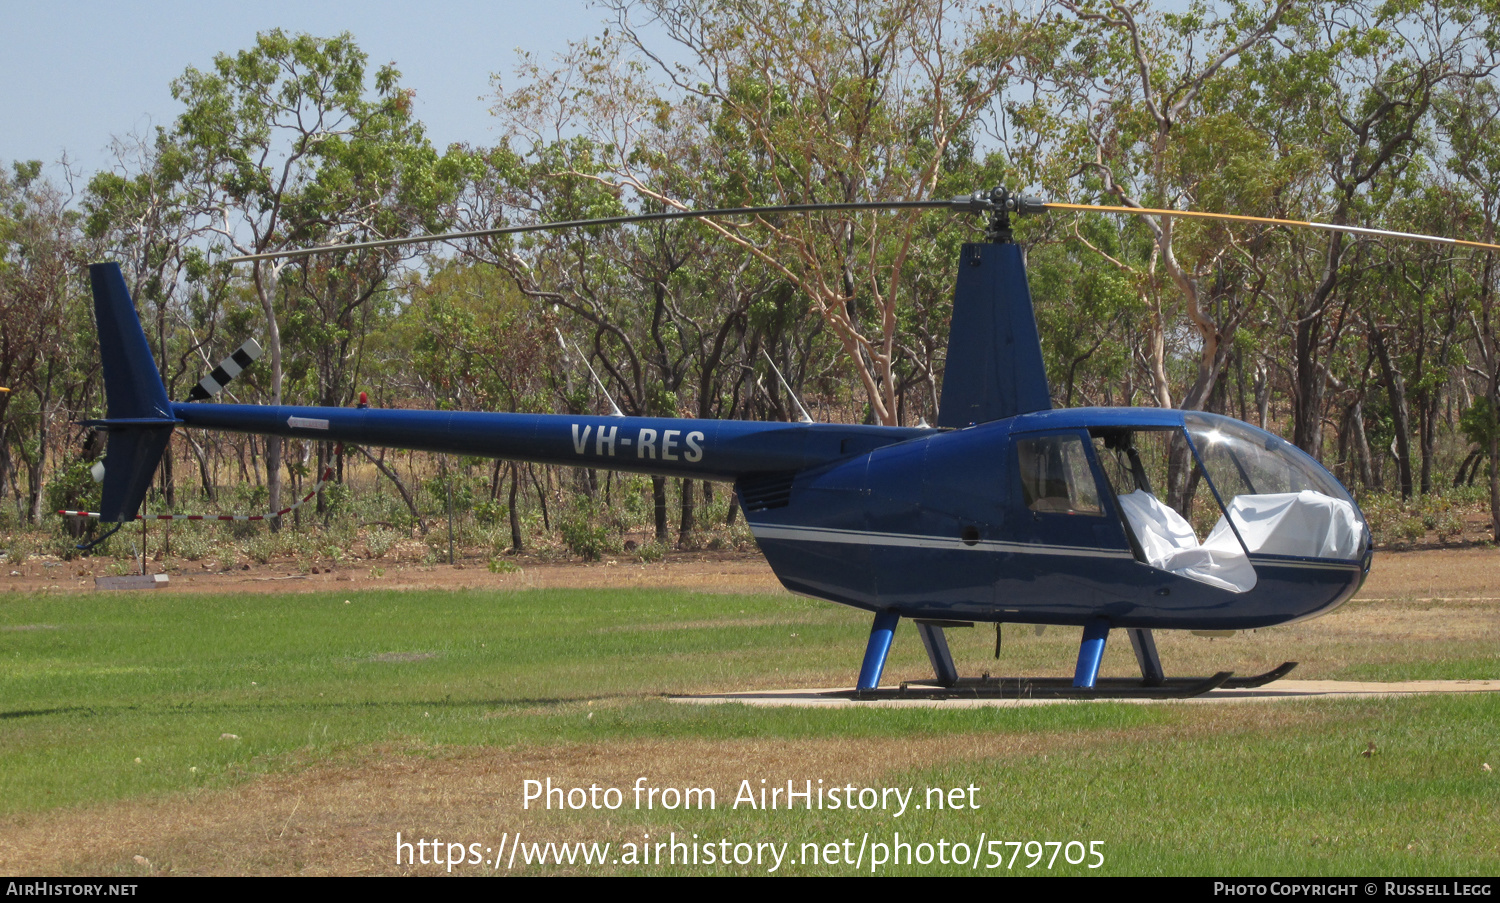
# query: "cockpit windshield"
[[1199, 502], [1280, 500], [1243, 459]]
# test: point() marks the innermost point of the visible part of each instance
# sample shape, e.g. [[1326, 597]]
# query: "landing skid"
[[1062, 687], [1046, 688], [1085, 683], [1260, 680]]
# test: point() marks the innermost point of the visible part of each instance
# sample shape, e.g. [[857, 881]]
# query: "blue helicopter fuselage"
[[928, 523], [937, 527]]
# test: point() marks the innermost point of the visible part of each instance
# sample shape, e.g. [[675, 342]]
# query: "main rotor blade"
[[1238, 218], [979, 202], [603, 221]]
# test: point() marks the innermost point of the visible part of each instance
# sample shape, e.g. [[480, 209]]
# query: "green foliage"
[[264, 547], [1391, 521], [585, 535], [72, 488], [500, 565], [336, 500], [191, 542], [1479, 424], [489, 513], [1401, 523], [650, 552], [437, 490]]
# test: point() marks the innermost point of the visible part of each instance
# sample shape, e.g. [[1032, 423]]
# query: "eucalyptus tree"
[[758, 102], [578, 279], [659, 308], [1417, 305], [474, 344], [139, 213], [42, 312], [1362, 77], [290, 143], [1469, 121], [1140, 108]]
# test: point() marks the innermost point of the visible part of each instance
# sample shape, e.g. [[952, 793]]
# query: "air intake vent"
[[764, 491]]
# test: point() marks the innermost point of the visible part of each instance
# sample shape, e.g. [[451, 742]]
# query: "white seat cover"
[[1303, 523], [1169, 543]]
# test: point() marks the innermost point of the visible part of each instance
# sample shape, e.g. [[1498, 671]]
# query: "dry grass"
[[714, 572], [342, 818], [1451, 573]]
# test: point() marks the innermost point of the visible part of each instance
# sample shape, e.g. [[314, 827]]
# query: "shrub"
[[381, 541], [491, 513], [192, 544], [262, 548], [1450, 525], [336, 498], [74, 488], [585, 538]]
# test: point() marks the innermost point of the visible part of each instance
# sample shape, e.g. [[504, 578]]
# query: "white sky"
[[77, 73]]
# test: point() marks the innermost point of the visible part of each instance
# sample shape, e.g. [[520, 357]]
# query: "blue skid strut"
[[881, 633], [1090, 651]]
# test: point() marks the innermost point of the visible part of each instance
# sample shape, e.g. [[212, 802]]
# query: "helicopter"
[[1005, 511]]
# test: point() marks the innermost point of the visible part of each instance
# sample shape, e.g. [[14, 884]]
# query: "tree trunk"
[[1395, 388], [167, 476], [1494, 478], [685, 526], [201, 455], [542, 497], [1361, 444], [659, 508], [1428, 439], [515, 517], [267, 291]]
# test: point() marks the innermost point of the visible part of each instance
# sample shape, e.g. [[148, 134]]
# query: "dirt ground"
[[1439, 574], [712, 571]]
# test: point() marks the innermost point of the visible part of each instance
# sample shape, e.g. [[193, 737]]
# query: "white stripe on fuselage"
[[918, 541], [1316, 564]]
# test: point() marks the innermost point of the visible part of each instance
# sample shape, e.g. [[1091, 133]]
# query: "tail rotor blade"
[[230, 367]]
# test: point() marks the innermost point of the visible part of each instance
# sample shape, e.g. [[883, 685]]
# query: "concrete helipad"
[[1281, 689]]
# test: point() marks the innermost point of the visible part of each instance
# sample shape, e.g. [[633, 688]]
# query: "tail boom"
[[140, 419], [699, 449]]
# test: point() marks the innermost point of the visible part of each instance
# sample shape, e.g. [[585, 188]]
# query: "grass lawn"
[[300, 733]]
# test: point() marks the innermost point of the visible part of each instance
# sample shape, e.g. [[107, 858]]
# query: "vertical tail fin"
[[139, 416], [995, 368], [133, 389]]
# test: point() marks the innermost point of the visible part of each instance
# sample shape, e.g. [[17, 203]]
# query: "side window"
[[1055, 476]]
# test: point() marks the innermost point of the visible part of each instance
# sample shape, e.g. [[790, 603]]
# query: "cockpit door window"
[[1056, 477]]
